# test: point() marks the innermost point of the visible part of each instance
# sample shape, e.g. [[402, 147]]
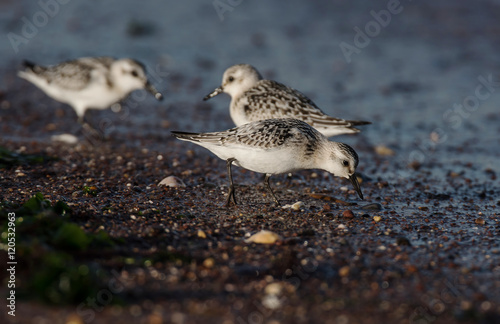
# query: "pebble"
[[480, 221], [403, 241], [155, 318], [465, 305], [264, 237], [201, 234], [172, 182], [344, 271], [375, 206], [271, 302], [297, 206], [209, 263], [435, 137], [411, 268], [377, 218], [383, 150], [348, 214], [65, 138], [74, 319], [273, 288]]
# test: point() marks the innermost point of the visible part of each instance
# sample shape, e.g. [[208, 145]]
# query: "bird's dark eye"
[[230, 79], [345, 163], [134, 73]]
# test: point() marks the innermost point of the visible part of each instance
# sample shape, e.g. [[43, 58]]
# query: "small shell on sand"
[[65, 138], [172, 181], [264, 237]]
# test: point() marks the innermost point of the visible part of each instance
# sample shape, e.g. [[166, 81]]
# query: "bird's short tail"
[[29, 65], [185, 136]]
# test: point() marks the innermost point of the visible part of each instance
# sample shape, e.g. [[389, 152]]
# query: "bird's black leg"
[[90, 131], [230, 195], [86, 125], [81, 120], [93, 135], [266, 181]]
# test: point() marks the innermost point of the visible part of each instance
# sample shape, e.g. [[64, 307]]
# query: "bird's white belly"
[[97, 97], [94, 96], [262, 161]]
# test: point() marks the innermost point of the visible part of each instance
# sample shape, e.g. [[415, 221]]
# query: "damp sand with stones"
[[99, 240]]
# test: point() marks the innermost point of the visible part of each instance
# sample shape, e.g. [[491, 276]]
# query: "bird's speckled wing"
[[75, 74], [265, 134], [270, 99]]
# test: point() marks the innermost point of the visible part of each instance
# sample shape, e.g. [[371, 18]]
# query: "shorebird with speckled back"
[[275, 146], [253, 98], [89, 82]]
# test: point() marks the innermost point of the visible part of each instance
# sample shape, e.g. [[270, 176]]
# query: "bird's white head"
[[342, 162], [236, 80], [129, 75]]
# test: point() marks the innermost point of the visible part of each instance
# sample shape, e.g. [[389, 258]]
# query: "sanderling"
[[253, 98], [90, 82], [275, 146]]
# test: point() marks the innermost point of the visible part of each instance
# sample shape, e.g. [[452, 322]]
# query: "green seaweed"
[[9, 159], [90, 190], [47, 240]]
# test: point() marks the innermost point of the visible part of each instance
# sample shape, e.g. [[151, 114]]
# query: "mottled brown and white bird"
[[90, 82], [275, 146], [253, 98]]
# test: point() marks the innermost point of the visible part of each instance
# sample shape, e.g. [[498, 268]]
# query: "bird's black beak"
[[355, 184], [213, 93], [151, 89]]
